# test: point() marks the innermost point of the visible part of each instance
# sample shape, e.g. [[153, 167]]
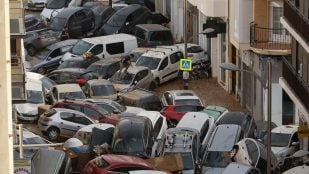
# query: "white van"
[[109, 46]]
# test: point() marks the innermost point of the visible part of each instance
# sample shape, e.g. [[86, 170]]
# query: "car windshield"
[[97, 69], [217, 159], [116, 20], [72, 95], [135, 56], [34, 140], [119, 106], [70, 64], [122, 78], [35, 97], [81, 47], [187, 102], [150, 62], [55, 4], [103, 90], [187, 159], [43, 54], [278, 139], [57, 23], [47, 82]]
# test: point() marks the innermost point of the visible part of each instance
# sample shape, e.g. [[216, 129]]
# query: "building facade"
[[295, 76]]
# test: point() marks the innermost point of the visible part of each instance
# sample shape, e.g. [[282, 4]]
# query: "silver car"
[[62, 122], [140, 77]]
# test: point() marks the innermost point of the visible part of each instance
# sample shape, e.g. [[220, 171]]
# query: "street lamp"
[[232, 67]]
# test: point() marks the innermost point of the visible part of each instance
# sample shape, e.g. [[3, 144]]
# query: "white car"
[[195, 52], [62, 122], [158, 123], [201, 122], [29, 111], [46, 82], [65, 91], [284, 141], [181, 97], [163, 62]]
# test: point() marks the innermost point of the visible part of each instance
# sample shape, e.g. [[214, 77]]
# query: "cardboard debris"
[[170, 163], [43, 108]]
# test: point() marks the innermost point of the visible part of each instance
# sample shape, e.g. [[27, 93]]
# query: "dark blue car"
[[52, 55]]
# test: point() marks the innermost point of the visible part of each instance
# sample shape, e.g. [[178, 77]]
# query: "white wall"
[[276, 109]]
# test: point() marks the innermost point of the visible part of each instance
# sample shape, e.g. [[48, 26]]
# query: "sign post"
[[185, 66]]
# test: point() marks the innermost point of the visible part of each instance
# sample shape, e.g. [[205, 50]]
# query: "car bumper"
[[27, 117], [43, 127]]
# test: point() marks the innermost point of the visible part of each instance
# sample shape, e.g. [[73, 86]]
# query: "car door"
[[163, 70], [174, 64], [67, 124]]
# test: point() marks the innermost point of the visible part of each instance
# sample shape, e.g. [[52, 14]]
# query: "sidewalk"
[[208, 90]]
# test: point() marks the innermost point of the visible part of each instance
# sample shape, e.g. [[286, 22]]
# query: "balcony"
[[269, 40], [300, 89], [296, 19], [18, 79]]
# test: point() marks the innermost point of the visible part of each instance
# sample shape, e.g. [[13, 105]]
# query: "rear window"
[[140, 33], [160, 36], [195, 49]]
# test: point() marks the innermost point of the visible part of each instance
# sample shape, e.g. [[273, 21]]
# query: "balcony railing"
[[298, 21], [296, 83], [269, 38]]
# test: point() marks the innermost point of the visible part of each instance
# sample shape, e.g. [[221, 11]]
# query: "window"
[[73, 107], [127, 169], [164, 63], [107, 107], [67, 116], [139, 33], [168, 98], [65, 49], [115, 48], [142, 74], [184, 109], [81, 120], [97, 49], [55, 53], [252, 151], [113, 68], [157, 127], [195, 49], [204, 130], [13, 46], [92, 113]]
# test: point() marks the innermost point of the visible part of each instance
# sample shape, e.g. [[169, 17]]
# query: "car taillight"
[[46, 119], [81, 81]]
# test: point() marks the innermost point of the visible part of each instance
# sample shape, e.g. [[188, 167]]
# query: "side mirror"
[[295, 143], [127, 23]]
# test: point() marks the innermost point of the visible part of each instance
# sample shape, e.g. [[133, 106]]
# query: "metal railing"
[[298, 21], [300, 88], [269, 38]]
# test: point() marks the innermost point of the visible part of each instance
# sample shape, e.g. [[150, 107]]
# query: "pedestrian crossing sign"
[[185, 64]]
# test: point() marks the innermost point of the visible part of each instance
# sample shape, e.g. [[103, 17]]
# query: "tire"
[[42, 70], [53, 133], [172, 123], [152, 86], [31, 50]]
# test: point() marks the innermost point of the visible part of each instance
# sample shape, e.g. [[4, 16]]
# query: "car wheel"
[[172, 123], [152, 86], [42, 70], [53, 133], [31, 50]]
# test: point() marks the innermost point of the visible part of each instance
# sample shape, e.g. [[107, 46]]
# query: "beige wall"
[[6, 145]]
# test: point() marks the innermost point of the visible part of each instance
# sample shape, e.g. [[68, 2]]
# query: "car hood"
[[27, 108], [111, 97], [120, 87], [213, 170], [278, 150], [68, 55], [135, 110]]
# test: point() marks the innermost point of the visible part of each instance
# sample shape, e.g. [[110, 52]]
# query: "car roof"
[[153, 27], [136, 69], [152, 115], [109, 38], [68, 87], [67, 12], [102, 126], [194, 120], [232, 118], [124, 159], [128, 9], [160, 52], [224, 137], [183, 94], [73, 70], [62, 43], [33, 75], [285, 129], [69, 110], [175, 139], [106, 61], [94, 82]]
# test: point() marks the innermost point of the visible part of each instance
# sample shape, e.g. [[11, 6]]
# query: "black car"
[[52, 55], [71, 75], [244, 120], [125, 19], [149, 35], [78, 62], [105, 68], [133, 136], [73, 22], [148, 3], [33, 23]]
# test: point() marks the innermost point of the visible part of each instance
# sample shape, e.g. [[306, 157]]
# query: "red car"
[[115, 164], [174, 113], [90, 109]]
